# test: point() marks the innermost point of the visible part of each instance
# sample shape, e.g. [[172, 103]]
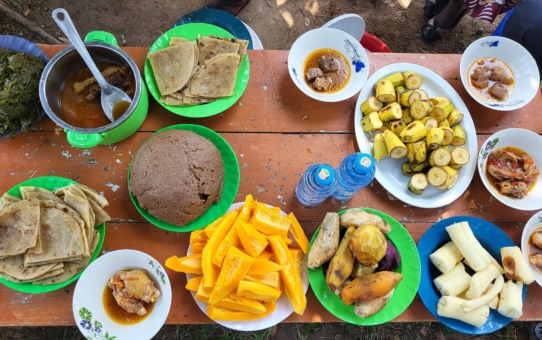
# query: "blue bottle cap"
[[364, 163], [325, 175]]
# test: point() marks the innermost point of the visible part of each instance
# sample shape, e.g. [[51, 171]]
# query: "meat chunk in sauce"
[[480, 77], [131, 288], [118, 78], [537, 239], [313, 73], [322, 84], [499, 75], [498, 90], [514, 172], [328, 64]]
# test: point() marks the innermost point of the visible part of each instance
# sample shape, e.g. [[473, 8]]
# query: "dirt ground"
[[277, 22]]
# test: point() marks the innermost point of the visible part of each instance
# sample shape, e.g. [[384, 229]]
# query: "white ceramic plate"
[[534, 223], [523, 65], [339, 41], [284, 307], [529, 142], [88, 309], [388, 171]]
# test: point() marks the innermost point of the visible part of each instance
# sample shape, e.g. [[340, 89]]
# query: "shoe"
[[433, 7], [231, 6], [431, 32]]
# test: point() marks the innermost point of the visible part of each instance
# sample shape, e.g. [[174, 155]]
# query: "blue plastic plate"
[[22, 45], [218, 18], [491, 238]]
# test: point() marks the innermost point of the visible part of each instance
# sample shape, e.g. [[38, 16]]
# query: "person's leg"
[[230, 6], [433, 7], [444, 21]]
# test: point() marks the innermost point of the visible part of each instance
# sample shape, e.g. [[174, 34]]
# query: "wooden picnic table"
[[276, 132]]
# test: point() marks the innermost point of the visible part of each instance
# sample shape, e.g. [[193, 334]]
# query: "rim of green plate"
[[404, 293], [50, 183], [190, 32], [232, 179]]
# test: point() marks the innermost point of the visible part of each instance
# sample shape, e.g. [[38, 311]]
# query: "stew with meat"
[[326, 70], [491, 79], [512, 171]]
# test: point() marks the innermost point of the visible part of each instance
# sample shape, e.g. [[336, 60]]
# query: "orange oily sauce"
[[77, 111], [118, 314], [533, 250], [339, 78], [484, 93]]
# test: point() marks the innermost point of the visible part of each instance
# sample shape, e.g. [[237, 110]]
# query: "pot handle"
[[101, 36], [84, 141]]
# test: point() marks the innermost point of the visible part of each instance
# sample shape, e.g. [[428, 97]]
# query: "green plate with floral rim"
[[405, 291], [190, 32], [229, 188], [50, 183]]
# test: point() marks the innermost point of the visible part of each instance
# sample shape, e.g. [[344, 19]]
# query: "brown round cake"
[[176, 175]]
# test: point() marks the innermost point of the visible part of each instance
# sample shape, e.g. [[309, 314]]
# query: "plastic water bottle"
[[316, 185], [355, 171]]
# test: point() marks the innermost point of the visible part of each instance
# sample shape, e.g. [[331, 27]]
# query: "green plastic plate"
[[404, 293], [50, 183], [190, 32], [229, 188]]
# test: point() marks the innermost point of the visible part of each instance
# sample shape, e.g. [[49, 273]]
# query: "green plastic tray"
[[190, 32], [50, 183], [404, 293], [229, 188]]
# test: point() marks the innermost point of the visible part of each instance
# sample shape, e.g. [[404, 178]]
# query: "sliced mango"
[[203, 293], [288, 274], [270, 222], [234, 268], [210, 229], [252, 240], [257, 291], [198, 236], [207, 266], [194, 283], [222, 314], [271, 279], [265, 255], [242, 304], [297, 256], [231, 240], [298, 233], [197, 247], [190, 264], [261, 266]]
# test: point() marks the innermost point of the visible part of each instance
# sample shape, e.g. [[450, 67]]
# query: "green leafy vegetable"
[[19, 98]]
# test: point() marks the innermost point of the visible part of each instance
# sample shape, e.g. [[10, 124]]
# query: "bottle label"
[[323, 174], [365, 162]]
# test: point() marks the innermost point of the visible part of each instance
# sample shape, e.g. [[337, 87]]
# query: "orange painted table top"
[[276, 132]]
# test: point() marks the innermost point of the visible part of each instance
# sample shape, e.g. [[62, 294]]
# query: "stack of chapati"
[[190, 73], [48, 237]]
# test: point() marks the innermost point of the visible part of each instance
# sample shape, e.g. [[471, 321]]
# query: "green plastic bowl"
[[190, 32], [49, 183], [404, 293], [229, 187]]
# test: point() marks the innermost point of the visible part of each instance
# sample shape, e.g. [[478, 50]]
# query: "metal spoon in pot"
[[110, 95]]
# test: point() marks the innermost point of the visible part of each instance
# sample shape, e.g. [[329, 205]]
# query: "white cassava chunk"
[[454, 282], [446, 257], [480, 281], [448, 306], [511, 301], [515, 266], [470, 305], [464, 243]]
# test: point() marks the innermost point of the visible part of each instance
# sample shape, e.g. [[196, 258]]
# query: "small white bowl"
[[523, 65], [88, 309], [529, 142], [339, 41], [534, 223]]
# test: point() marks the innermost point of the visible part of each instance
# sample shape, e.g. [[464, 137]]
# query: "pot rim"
[[108, 127]]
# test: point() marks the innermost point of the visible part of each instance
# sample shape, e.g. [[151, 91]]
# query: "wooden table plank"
[[276, 132]]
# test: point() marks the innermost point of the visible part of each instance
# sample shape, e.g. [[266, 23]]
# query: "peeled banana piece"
[[358, 218], [327, 241]]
